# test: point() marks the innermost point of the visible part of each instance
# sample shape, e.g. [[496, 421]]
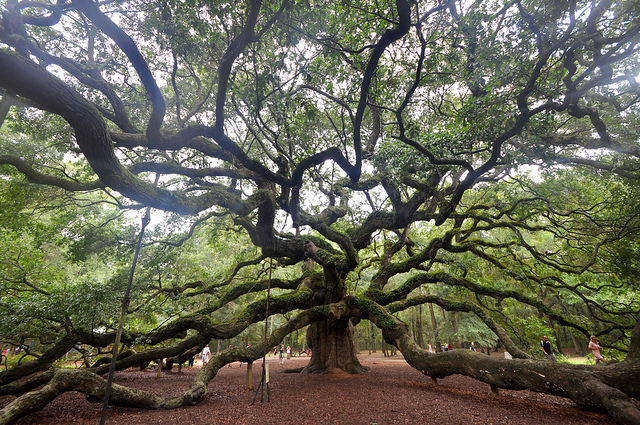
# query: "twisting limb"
[[93, 386], [588, 387]]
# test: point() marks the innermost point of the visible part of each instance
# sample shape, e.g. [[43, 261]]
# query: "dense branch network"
[[389, 145]]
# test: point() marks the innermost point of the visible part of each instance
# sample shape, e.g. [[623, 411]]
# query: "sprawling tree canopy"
[[363, 159]]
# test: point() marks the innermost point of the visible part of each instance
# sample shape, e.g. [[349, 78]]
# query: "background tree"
[[378, 163]]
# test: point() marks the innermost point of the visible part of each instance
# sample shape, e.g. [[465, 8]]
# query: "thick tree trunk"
[[434, 325], [372, 340], [576, 345], [416, 325], [332, 347]]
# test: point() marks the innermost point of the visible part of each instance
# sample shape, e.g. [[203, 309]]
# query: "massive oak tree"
[[479, 157]]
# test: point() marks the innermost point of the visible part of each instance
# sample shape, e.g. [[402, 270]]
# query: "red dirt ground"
[[392, 392]]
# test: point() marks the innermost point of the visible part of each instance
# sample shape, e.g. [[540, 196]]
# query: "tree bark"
[[434, 325], [419, 333], [332, 347]]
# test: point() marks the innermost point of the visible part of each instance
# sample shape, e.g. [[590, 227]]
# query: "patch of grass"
[[576, 360]]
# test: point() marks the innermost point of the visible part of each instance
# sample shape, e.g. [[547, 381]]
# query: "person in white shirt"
[[205, 354]]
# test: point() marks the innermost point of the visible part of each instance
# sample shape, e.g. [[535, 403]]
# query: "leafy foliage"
[[477, 159]]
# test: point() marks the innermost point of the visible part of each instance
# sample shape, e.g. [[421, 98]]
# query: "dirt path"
[[392, 392]]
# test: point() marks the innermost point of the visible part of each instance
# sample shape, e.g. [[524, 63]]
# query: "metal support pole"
[[264, 381], [123, 313]]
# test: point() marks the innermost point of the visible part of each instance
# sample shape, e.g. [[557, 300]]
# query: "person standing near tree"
[[595, 349], [205, 355], [546, 349]]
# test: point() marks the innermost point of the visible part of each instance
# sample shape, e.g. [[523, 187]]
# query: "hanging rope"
[[125, 306]]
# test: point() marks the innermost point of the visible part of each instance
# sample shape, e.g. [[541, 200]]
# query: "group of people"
[[206, 355], [280, 351], [448, 347], [594, 346], [545, 344]]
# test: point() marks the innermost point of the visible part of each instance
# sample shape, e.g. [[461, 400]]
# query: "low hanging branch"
[[93, 386], [606, 387]]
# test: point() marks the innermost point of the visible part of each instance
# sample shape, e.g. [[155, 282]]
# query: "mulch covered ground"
[[391, 392]]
